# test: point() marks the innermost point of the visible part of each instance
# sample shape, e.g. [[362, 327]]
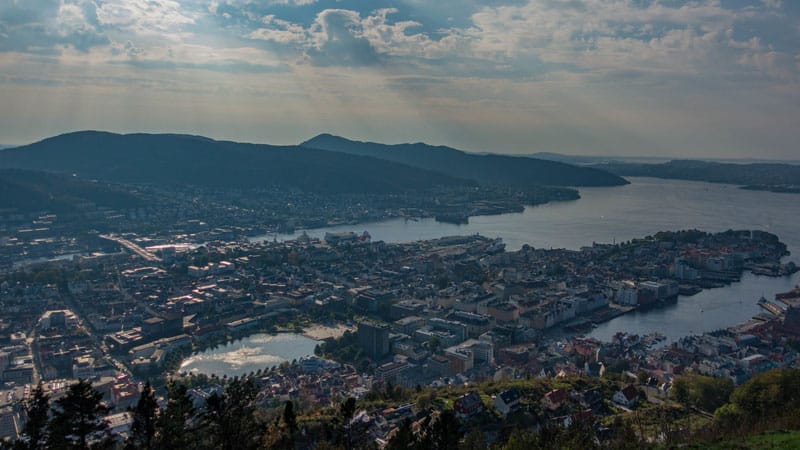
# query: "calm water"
[[645, 206], [259, 351], [642, 208]]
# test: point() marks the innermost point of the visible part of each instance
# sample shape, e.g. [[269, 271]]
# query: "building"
[[461, 359], [10, 426], [627, 396], [391, 372], [554, 399], [438, 366], [507, 401], [374, 339], [468, 405], [19, 374]]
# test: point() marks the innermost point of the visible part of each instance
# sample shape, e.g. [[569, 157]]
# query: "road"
[[146, 255]]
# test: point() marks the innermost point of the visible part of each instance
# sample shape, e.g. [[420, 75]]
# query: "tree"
[[522, 440], [348, 410], [771, 398], [37, 408], [143, 429], [442, 432], [403, 438], [78, 421], [706, 393], [174, 430], [680, 390], [229, 419], [289, 417], [475, 440]]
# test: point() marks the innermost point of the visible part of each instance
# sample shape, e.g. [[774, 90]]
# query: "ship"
[[794, 294], [773, 308], [458, 219]]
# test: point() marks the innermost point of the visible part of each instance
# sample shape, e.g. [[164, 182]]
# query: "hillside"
[[168, 159], [29, 191], [761, 176], [484, 168]]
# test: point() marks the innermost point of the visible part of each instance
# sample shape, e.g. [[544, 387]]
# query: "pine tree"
[[143, 429], [289, 417], [348, 410], [174, 429], [475, 440], [229, 421], [78, 420], [445, 431], [37, 408]]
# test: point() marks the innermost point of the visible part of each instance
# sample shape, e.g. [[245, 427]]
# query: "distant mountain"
[[485, 168], [29, 191], [164, 159], [583, 160], [763, 175], [606, 159]]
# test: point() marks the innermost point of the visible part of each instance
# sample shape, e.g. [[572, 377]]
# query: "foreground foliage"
[[754, 415]]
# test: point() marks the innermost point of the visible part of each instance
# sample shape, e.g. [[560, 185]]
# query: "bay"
[[644, 207], [615, 214]]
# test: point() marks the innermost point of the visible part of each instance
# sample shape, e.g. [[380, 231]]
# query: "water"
[[642, 208], [709, 310], [259, 351]]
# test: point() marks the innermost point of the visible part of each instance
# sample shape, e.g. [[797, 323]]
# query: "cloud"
[[228, 66], [568, 67], [146, 17], [611, 35], [340, 37], [39, 26]]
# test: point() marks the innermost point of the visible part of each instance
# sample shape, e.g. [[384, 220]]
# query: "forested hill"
[[29, 191], [758, 174], [165, 159], [484, 168]]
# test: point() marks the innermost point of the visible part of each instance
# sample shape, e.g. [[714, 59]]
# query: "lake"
[[642, 208], [259, 351]]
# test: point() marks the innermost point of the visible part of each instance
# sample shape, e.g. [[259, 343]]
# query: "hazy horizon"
[[714, 79], [572, 158]]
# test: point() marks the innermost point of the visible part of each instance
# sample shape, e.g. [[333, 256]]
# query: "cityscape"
[[399, 225]]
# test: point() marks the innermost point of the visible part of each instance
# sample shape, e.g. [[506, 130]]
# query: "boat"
[[790, 295], [458, 219], [773, 308]]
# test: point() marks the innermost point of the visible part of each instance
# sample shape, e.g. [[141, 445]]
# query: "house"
[[594, 369], [468, 405], [507, 401], [554, 399], [627, 396]]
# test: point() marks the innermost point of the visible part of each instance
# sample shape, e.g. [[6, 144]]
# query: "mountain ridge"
[[765, 175], [519, 171], [188, 159]]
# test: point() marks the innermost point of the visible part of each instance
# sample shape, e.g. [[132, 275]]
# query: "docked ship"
[[455, 218]]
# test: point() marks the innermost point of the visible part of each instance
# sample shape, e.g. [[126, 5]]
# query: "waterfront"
[[608, 214], [709, 310], [259, 351], [642, 208]]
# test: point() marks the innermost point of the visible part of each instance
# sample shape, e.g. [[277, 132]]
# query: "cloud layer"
[[659, 77]]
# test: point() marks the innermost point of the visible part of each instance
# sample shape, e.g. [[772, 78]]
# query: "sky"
[[661, 78]]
